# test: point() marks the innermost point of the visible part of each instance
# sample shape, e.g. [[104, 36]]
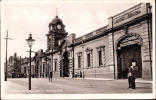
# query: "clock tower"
[[56, 33]]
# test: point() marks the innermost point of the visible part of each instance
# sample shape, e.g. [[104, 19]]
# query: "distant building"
[[14, 66], [39, 64], [24, 67], [25, 64]]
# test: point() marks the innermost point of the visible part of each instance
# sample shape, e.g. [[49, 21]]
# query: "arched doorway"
[[66, 64], [128, 49]]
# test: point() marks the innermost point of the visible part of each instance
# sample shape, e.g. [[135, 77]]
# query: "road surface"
[[73, 86]]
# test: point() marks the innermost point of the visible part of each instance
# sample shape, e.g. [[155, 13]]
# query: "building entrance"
[[128, 49], [65, 64]]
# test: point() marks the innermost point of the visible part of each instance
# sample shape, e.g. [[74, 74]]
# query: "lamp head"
[[30, 41]]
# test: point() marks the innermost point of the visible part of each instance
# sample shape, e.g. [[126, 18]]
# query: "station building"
[[103, 53]]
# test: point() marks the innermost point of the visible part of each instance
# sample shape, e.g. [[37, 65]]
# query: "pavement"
[[139, 80], [74, 86]]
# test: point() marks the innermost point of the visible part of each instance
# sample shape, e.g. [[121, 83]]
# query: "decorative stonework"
[[79, 54], [110, 49], [128, 39], [104, 56], [102, 49]]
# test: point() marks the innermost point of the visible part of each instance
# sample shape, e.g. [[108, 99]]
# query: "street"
[[73, 86]]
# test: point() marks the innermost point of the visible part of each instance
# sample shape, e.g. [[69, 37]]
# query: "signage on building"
[[129, 15], [126, 16]]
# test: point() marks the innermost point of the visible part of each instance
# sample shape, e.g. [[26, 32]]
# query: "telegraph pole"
[[6, 65]]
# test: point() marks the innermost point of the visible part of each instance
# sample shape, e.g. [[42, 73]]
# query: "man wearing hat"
[[132, 73]]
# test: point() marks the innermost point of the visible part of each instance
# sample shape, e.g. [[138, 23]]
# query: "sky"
[[22, 17]]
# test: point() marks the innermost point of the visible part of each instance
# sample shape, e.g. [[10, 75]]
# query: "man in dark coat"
[[80, 74], [132, 73], [50, 76]]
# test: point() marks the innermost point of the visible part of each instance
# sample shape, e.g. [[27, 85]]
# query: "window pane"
[[79, 61], [55, 65], [88, 59], [100, 58]]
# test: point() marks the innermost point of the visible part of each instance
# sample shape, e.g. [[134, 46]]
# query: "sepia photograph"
[[70, 49]]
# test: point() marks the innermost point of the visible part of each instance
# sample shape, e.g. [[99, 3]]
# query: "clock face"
[[59, 26]]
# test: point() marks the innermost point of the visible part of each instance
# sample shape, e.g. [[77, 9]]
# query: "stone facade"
[[131, 28]]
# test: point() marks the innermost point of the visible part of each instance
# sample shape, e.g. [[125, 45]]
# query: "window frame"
[[55, 65], [88, 60], [79, 62], [100, 57]]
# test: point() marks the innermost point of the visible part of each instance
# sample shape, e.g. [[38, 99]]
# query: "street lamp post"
[[30, 42]]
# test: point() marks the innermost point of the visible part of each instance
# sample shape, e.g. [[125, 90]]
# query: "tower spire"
[[56, 13]]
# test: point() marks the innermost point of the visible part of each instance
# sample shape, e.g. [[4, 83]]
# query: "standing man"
[[80, 74], [50, 77], [132, 73]]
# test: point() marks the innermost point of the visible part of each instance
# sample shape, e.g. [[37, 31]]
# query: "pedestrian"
[[83, 74], [80, 74], [75, 74], [132, 71], [50, 76]]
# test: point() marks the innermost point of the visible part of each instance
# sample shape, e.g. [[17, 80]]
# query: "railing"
[[91, 34], [78, 39], [101, 30], [88, 35]]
